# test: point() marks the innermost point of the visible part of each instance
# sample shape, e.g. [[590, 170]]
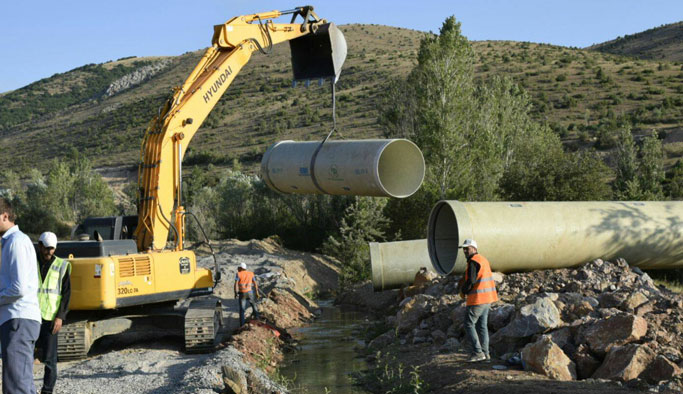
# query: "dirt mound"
[[306, 273]]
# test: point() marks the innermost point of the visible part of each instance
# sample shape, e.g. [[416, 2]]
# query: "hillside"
[[660, 43], [581, 94]]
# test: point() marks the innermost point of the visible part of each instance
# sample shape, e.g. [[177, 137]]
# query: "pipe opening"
[[443, 238], [401, 168]]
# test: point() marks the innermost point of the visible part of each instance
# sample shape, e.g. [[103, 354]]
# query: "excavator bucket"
[[320, 54]]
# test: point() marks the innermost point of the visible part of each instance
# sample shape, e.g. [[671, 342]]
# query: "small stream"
[[326, 356]]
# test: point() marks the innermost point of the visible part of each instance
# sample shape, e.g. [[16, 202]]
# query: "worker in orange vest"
[[244, 281], [480, 290]]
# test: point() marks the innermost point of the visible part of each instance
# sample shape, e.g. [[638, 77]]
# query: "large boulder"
[[424, 276], [545, 357], [633, 301], [661, 369], [382, 341], [616, 330], [500, 315], [413, 312], [439, 337], [612, 299], [586, 364], [532, 319], [625, 363], [458, 317]]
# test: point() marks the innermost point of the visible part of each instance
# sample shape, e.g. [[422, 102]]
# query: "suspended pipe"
[[380, 168], [523, 236], [394, 264]]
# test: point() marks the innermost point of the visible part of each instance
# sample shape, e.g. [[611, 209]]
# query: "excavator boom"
[[318, 51]]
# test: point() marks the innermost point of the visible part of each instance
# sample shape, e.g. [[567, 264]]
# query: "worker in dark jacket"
[[480, 290], [53, 295]]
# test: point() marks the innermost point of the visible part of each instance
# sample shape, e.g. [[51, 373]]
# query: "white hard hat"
[[469, 242], [243, 266], [48, 239]]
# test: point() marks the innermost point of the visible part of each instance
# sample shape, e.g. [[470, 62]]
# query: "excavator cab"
[[319, 55]]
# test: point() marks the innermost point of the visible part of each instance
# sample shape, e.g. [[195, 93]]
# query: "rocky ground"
[[602, 327], [153, 364]]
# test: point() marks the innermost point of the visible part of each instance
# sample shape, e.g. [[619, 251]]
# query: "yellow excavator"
[[127, 272]]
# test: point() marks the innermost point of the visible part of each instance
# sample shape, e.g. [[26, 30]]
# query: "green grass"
[[675, 286]]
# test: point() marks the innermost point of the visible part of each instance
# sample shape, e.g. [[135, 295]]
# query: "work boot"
[[476, 358]]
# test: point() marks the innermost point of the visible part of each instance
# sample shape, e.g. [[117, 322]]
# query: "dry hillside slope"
[[661, 43], [102, 110]]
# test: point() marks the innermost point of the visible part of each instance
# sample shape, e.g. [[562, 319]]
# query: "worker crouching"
[[53, 296], [480, 291], [247, 290]]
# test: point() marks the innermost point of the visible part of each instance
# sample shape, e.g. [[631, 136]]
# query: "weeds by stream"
[[389, 376]]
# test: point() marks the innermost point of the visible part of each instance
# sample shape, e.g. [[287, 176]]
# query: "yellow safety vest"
[[50, 290]]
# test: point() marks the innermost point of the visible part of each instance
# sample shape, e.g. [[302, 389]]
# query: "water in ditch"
[[326, 355]]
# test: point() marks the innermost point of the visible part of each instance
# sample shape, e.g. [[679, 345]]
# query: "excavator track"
[[203, 321], [74, 341]]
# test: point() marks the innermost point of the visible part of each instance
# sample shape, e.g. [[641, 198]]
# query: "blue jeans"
[[476, 330], [18, 337], [244, 297]]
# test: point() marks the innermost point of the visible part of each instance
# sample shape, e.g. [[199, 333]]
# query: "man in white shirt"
[[19, 310]]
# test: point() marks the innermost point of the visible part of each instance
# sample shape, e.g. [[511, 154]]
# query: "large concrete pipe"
[[382, 168], [394, 264], [521, 236]]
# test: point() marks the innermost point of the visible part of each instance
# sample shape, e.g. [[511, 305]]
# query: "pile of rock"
[[603, 320], [136, 77]]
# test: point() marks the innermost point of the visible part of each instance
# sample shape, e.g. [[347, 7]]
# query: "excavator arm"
[[318, 51]]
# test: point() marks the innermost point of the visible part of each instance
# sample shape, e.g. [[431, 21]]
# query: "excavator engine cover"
[[320, 54]]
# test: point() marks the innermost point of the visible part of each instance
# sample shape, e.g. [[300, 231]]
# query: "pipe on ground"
[[380, 168], [394, 264], [523, 236]]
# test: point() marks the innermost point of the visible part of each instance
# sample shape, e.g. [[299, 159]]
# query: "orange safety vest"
[[244, 279], [484, 290]]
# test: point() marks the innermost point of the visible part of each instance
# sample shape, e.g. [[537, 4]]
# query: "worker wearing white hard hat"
[[246, 289], [54, 294], [478, 287]]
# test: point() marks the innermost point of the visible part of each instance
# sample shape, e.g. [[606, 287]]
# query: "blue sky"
[[41, 38]]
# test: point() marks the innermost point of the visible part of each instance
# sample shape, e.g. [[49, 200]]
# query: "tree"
[[651, 173], [478, 137], [626, 186], [434, 108], [542, 171], [639, 170], [68, 193], [363, 222], [673, 185]]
